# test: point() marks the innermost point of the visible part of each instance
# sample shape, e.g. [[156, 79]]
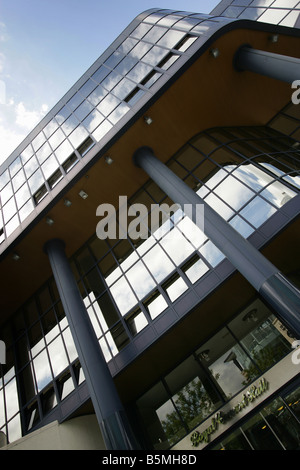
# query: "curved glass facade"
[[283, 12], [108, 92]]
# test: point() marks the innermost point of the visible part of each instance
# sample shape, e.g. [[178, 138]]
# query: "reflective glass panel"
[[155, 408], [31, 166], [43, 152], [9, 210], [42, 370], [50, 128], [93, 120], [283, 423], [235, 441], [35, 181], [260, 435], [56, 139], [193, 396], [141, 30], [15, 166], [49, 166], [171, 38], [261, 335], [18, 180], [78, 136], [70, 124], [123, 295], [22, 196], [26, 210], [75, 101], [63, 151], [140, 49], [6, 193], [229, 366], [83, 110], [58, 356]]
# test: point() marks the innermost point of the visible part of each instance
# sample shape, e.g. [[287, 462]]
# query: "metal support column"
[[109, 411], [262, 275], [280, 67]]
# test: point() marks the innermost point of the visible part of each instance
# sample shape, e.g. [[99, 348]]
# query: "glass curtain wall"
[[283, 12], [275, 427], [246, 174], [107, 92], [219, 369]]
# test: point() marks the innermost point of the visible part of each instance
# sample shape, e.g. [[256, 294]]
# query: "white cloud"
[[16, 121], [9, 140], [27, 119]]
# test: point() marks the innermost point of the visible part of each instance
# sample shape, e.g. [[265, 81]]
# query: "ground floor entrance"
[[276, 426]]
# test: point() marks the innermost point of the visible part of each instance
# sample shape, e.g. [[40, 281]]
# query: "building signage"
[[224, 417]]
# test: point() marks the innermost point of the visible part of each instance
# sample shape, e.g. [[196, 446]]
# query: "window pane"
[[158, 263], [98, 94], [195, 270], [12, 402], [56, 139], [36, 181], [63, 151], [18, 180], [261, 334], [12, 225], [9, 210], [139, 72], [123, 295], [230, 368], [6, 193], [78, 136], [83, 110], [176, 289], [140, 50], [171, 243], [42, 370], [193, 396], [293, 401], [49, 166], [140, 279], [257, 211], [136, 322], [156, 306], [31, 166], [260, 435], [171, 38], [43, 152], [58, 356], [71, 349], [50, 128], [155, 407], [93, 120], [212, 254], [286, 427]]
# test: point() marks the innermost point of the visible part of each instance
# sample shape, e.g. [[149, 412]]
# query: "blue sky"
[[45, 47]]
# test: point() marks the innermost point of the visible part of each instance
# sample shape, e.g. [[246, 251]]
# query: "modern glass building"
[[172, 332]]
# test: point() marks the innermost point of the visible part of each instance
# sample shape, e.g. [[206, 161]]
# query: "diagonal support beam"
[[280, 67], [113, 422]]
